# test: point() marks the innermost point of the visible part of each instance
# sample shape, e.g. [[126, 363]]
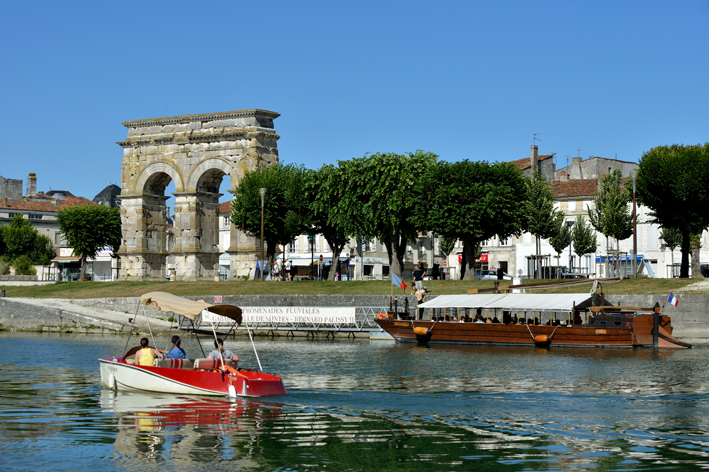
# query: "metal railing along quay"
[[363, 323]]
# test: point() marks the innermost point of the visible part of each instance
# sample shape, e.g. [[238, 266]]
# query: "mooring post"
[[655, 325], [396, 307], [497, 287], [3, 294], [406, 306]]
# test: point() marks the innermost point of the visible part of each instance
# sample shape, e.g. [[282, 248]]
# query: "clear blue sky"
[[470, 80]]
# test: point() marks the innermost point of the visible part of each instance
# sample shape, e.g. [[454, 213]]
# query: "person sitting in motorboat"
[[146, 356], [221, 353], [176, 352]]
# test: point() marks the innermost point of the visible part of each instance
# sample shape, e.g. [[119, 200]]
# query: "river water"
[[356, 405]]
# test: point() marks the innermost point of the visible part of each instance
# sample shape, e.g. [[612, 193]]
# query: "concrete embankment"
[[690, 320]]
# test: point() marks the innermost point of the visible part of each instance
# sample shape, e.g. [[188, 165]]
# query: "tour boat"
[[543, 320], [201, 376]]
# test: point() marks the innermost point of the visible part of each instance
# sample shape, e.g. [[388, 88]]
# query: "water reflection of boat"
[[535, 320], [202, 376], [148, 413]]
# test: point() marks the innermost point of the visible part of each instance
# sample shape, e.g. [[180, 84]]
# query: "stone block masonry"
[[194, 152]]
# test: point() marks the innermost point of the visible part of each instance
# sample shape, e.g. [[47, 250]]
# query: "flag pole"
[[665, 302]]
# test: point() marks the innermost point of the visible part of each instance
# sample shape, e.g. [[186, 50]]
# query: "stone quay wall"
[[690, 320]]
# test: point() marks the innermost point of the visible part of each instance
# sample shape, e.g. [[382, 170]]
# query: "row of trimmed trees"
[[393, 197]]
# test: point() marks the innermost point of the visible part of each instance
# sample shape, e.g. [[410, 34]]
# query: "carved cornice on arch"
[[170, 120], [154, 168]]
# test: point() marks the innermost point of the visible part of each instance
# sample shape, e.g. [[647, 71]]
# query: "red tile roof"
[[526, 162], [225, 207], [574, 188], [47, 205]]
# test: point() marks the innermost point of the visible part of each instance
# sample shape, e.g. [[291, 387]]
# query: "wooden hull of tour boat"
[[116, 373], [634, 331]]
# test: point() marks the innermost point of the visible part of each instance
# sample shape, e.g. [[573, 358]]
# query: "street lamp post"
[[571, 226], [634, 175], [262, 191]]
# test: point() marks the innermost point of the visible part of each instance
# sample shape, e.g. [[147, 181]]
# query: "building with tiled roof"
[[41, 210], [543, 163]]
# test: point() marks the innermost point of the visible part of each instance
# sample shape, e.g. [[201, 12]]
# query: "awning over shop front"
[[66, 259]]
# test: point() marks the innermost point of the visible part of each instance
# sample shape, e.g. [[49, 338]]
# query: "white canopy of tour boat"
[[513, 301], [188, 308]]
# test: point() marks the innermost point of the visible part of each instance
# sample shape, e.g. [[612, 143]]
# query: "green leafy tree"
[[561, 239], [673, 239], [89, 228], [23, 266], [19, 237], [23, 239], [611, 215], [4, 265], [474, 201], [43, 250], [322, 190], [673, 181], [378, 199], [583, 238], [285, 205], [446, 245], [543, 221]]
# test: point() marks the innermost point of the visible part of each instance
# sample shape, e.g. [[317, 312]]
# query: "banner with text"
[[288, 314]]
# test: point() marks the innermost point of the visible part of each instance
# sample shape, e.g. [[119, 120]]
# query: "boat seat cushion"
[[175, 363]]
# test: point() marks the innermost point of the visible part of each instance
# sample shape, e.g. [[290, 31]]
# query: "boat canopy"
[[514, 301], [188, 308]]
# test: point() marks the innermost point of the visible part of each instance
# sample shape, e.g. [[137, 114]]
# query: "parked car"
[[491, 275]]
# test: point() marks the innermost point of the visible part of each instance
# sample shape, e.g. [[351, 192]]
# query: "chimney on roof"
[[5, 202], [533, 159], [32, 185]]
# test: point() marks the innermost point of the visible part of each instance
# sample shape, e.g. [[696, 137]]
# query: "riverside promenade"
[[690, 320]]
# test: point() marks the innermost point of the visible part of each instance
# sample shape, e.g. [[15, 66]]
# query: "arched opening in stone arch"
[[157, 223], [213, 197]]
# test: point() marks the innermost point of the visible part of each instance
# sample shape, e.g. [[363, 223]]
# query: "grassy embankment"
[[439, 287]]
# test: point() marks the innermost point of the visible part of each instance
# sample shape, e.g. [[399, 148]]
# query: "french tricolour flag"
[[672, 300], [395, 280]]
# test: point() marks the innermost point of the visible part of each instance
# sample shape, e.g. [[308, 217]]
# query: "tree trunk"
[[82, 274], [469, 259], [335, 265], [672, 263], [396, 246], [684, 268], [696, 246]]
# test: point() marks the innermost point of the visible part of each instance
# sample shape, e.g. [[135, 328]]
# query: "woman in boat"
[[146, 356], [176, 352], [220, 353]]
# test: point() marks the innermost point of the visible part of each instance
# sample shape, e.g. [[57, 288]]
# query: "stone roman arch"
[[195, 152]]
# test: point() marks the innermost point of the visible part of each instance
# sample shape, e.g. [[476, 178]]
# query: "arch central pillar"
[[196, 247]]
